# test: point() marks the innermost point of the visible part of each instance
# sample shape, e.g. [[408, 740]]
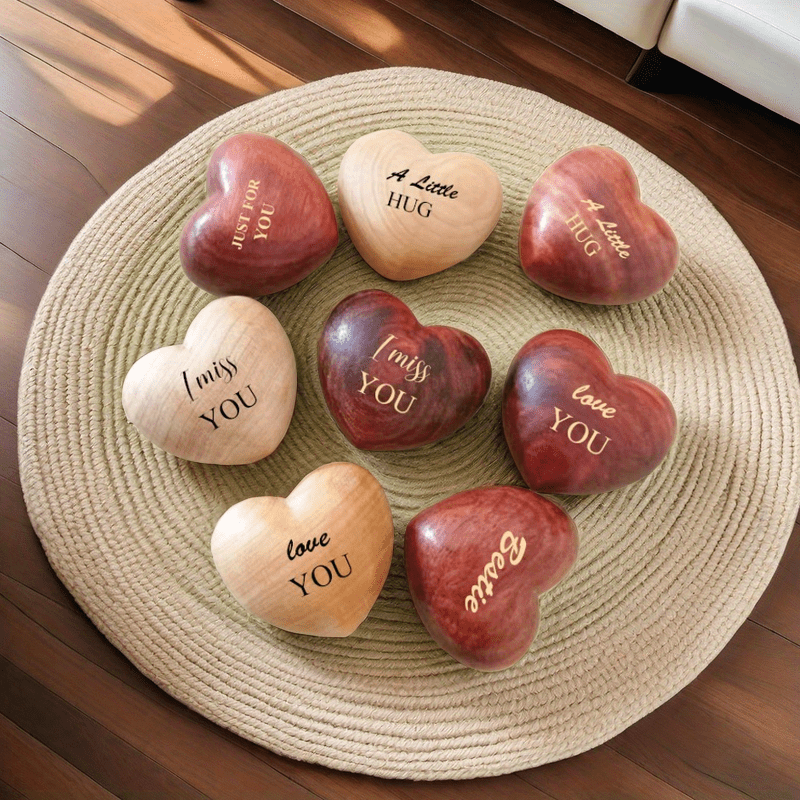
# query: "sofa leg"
[[655, 72], [648, 70]]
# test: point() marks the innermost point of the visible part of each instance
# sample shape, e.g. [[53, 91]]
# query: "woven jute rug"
[[669, 568]]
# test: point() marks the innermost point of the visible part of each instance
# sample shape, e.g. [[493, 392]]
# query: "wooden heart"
[[410, 213], [476, 565], [586, 235], [224, 396], [267, 223], [315, 562], [576, 427], [393, 384]]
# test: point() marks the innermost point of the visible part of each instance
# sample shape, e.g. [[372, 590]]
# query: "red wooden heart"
[[585, 234], [576, 427], [393, 384], [476, 565], [267, 223]]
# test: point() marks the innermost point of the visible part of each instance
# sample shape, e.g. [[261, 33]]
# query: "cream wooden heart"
[[224, 396], [314, 562], [411, 213]]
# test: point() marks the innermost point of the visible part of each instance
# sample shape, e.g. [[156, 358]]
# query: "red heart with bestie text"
[[476, 564]]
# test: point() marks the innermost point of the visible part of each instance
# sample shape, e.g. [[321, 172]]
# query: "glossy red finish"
[[267, 223], [576, 427], [476, 564], [393, 384], [585, 234]]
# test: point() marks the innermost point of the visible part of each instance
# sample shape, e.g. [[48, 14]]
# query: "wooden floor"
[[93, 90]]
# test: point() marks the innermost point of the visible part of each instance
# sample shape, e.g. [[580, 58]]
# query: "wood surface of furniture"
[[91, 92]]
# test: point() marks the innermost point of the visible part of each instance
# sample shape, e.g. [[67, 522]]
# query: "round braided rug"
[[668, 569]]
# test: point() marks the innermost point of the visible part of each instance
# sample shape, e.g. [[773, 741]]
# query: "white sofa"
[[750, 46]]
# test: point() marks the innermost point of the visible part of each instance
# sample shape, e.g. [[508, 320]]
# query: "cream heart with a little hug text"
[[410, 212]]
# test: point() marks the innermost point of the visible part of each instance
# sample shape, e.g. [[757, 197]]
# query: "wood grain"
[[314, 562], [90, 93], [777, 608], [65, 730], [9, 464], [23, 284], [225, 395], [410, 212], [21, 554], [744, 704], [38, 772]]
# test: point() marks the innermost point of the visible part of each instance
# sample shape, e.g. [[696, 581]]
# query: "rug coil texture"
[[668, 569]]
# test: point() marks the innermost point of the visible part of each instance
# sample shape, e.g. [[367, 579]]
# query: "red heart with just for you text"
[[586, 235], [576, 427], [267, 223]]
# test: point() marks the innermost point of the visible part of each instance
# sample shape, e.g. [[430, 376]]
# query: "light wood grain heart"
[[224, 396], [412, 213], [314, 562]]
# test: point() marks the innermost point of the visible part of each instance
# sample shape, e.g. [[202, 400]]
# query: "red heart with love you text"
[[393, 384], [576, 427], [267, 223], [586, 235], [476, 564]]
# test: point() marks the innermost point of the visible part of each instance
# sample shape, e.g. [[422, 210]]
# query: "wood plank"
[[41, 209], [129, 87], [9, 464], [21, 287], [600, 774], [77, 739], [21, 555], [72, 627], [743, 703], [7, 792], [574, 33], [777, 608], [113, 115], [160, 37], [769, 241], [37, 773], [334, 785], [192, 748], [382, 32], [707, 102], [304, 49], [69, 624]]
